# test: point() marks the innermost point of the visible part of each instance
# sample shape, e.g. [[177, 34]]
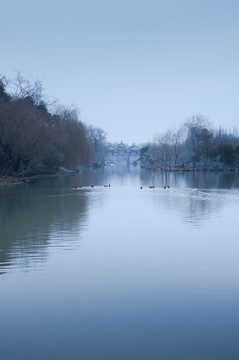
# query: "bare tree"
[[97, 137], [176, 141], [195, 126], [162, 150]]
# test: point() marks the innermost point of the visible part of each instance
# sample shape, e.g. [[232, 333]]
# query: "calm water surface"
[[119, 272]]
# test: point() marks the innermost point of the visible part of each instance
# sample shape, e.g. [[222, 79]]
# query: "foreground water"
[[120, 272]]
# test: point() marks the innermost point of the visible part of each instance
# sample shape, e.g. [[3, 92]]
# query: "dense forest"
[[36, 140], [194, 146]]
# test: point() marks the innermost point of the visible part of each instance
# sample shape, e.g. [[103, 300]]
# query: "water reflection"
[[120, 272], [36, 216], [192, 179], [194, 196], [49, 212]]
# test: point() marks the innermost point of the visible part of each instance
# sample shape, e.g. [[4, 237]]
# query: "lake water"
[[119, 272]]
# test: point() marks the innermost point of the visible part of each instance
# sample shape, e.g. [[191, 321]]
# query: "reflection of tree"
[[211, 180], [29, 214], [193, 195], [161, 178], [191, 179]]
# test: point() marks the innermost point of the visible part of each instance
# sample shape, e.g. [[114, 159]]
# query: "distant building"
[[121, 153], [134, 150]]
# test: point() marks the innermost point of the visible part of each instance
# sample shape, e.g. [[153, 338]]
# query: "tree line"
[[37, 140], [195, 145]]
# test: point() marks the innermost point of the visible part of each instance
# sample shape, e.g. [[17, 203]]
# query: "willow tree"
[[76, 148]]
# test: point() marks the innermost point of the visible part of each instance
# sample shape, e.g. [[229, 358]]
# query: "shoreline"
[[14, 180], [193, 169]]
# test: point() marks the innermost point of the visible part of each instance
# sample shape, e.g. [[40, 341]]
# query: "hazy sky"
[[132, 67]]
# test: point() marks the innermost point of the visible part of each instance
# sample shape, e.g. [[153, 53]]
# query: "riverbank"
[[188, 168], [11, 180], [14, 180]]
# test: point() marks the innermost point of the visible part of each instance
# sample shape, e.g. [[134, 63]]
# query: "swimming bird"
[[151, 186]]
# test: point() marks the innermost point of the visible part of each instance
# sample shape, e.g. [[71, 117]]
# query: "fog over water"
[[120, 272]]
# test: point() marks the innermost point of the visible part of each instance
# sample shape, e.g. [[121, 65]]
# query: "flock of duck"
[[81, 187], [141, 187], [153, 186]]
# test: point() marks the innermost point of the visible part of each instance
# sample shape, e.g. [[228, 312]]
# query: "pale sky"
[[132, 67]]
